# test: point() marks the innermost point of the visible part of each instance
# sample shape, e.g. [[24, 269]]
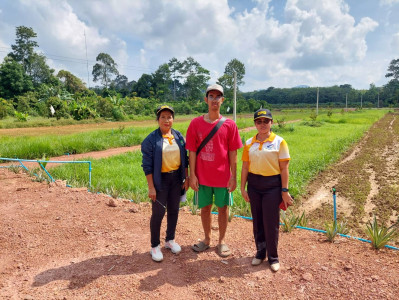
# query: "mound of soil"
[[65, 243]]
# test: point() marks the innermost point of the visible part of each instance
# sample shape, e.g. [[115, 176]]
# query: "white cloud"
[[389, 2], [395, 43], [311, 42]]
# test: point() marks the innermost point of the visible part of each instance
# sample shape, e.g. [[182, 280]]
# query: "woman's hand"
[[152, 193], [186, 184], [244, 194], [287, 198]]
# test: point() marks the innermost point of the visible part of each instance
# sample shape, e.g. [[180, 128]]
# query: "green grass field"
[[312, 149], [35, 147]]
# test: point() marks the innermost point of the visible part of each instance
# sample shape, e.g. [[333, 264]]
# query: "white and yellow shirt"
[[264, 157], [170, 155]]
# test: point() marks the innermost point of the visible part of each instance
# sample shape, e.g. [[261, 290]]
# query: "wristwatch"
[[284, 190]]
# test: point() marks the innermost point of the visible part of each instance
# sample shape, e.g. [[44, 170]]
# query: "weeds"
[[290, 220], [21, 117], [331, 231], [380, 236], [342, 228], [113, 192], [194, 204], [335, 228], [281, 123], [302, 220], [14, 168]]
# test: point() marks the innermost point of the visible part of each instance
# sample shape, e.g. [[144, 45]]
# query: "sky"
[[281, 43]]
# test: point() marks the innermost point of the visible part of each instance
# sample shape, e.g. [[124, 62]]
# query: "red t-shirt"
[[212, 165]]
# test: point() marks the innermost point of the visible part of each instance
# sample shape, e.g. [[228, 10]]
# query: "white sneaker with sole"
[[275, 267], [256, 261], [173, 246], [156, 253]]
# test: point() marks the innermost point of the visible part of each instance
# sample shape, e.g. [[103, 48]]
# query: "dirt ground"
[[65, 243]]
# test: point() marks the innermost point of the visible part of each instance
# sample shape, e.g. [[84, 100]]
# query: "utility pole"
[[317, 102], [235, 96], [361, 100], [346, 101], [378, 100], [87, 62]]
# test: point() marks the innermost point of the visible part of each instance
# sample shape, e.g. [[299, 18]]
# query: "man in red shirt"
[[213, 172]]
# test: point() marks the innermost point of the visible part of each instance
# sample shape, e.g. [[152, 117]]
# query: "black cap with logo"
[[263, 113]]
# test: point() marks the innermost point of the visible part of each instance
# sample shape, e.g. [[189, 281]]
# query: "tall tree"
[[71, 83], [161, 81], [39, 71], [393, 69], [23, 49], [227, 79], [196, 79], [175, 67], [13, 80], [143, 87], [105, 69]]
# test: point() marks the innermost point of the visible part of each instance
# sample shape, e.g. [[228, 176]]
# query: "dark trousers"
[[169, 196], [265, 197]]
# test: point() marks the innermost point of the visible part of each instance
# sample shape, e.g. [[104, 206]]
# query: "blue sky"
[[281, 43]]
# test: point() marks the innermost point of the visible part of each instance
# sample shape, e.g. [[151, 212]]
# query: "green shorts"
[[204, 196]]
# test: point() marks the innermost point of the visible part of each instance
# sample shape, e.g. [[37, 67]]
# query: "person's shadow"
[[187, 268]]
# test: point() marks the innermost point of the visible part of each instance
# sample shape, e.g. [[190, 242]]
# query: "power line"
[[86, 62], [83, 61]]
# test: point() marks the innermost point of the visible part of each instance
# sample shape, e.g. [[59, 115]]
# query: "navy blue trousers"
[[265, 197], [169, 196]]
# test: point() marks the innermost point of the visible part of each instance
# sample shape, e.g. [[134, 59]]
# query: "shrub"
[[117, 114], [302, 220], [281, 123], [21, 117], [289, 219], [5, 108], [331, 231], [342, 228], [104, 107], [380, 236], [81, 111], [59, 106]]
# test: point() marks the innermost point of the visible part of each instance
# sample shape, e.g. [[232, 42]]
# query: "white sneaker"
[[173, 246], [156, 253], [256, 261], [275, 267]]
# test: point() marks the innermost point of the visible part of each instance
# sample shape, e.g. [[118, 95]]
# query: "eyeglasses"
[[264, 121], [217, 98]]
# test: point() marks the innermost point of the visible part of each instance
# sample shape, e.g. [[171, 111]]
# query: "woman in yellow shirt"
[[265, 169], [165, 164]]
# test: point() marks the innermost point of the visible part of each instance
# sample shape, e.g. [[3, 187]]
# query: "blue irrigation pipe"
[[319, 230], [47, 161], [334, 203], [335, 207]]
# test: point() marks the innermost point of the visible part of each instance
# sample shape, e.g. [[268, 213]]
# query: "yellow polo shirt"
[[170, 155], [264, 157]]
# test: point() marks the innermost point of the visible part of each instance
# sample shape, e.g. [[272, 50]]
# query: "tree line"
[[29, 87]]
